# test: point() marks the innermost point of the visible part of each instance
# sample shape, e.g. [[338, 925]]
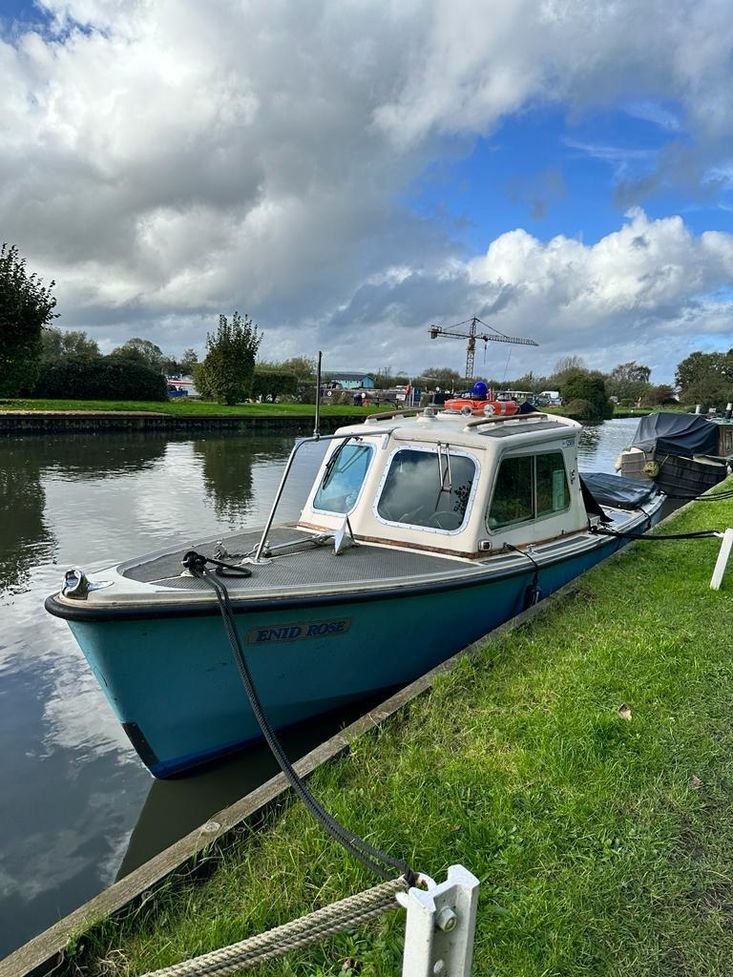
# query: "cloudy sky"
[[349, 171]]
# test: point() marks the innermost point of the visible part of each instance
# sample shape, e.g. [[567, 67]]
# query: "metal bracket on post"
[[440, 926]]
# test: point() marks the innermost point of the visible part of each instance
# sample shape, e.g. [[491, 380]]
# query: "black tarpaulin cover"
[[677, 434], [618, 491]]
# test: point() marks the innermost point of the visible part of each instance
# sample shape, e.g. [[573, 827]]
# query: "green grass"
[[642, 411], [635, 411], [604, 845], [183, 406]]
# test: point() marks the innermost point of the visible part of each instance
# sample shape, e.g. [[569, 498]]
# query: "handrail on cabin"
[[384, 415], [494, 418]]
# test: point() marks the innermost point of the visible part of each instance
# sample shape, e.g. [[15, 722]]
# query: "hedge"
[[100, 378], [274, 383]]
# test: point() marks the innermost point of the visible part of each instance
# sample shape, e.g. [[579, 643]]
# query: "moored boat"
[[419, 535], [683, 454], [482, 401]]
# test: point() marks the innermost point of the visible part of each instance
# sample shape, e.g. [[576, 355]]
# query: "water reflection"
[[226, 466], [175, 807], [24, 536], [600, 444], [97, 456], [90, 500]]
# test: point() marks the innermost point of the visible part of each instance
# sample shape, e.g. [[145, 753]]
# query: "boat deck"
[[309, 568], [315, 569]]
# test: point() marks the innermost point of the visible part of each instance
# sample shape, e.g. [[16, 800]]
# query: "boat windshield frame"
[[433, 449], [330, 472], [316, 438]]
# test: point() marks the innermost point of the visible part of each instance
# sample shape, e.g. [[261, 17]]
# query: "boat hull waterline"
[[306, 660]]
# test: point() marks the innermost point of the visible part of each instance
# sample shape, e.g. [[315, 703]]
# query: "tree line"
[[37, 359]]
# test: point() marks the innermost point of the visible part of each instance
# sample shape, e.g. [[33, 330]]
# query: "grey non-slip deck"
[[307, 567]]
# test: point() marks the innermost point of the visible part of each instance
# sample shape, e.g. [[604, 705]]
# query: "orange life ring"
[[482, 408]]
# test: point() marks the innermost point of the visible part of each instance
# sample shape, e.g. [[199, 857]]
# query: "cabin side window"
[[528, 487], [343, 478], [551, 484], [426, 488]]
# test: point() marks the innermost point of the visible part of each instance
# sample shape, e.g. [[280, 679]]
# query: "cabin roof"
[[462, 429]]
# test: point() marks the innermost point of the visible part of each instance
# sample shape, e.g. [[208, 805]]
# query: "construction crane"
[[472, 335]]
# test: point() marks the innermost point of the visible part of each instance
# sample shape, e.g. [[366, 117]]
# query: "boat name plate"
[[298, 631]]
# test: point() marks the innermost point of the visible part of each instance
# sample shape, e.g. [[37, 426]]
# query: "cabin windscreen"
[[343, 478], [427, 488], [528, 487]]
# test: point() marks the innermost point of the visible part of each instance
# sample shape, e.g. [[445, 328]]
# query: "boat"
[[481, 402], [422, 531], [683, 454]]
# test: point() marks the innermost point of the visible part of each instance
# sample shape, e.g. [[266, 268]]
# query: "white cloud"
[[168, 160], [650, 291], [470, 62]]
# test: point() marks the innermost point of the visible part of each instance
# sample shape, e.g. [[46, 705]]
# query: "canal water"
[[77, 808]]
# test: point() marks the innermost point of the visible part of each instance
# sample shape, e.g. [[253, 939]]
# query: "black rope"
[[373, 858], [720, 496], [533, 594], [701, 534], [195, 563]]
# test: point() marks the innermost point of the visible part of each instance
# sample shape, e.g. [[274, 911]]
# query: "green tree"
[[227, 372], [384, 378], [302, 367], [588, 387], [528, 381], [629, 381], [706, 378], [180, 367], [438, 376], [661, 394], [58, 343], [142, 351], [568, 366], [26, 306], [188, 361], [271, 384]]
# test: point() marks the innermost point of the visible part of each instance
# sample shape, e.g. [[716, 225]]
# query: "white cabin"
[[450, 484]]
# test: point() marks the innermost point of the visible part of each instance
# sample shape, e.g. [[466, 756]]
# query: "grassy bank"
[[582, 767], [183, 407], [636, 411], [643, 411]]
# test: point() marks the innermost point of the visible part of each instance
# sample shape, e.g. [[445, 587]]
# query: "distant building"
[[348, 381]]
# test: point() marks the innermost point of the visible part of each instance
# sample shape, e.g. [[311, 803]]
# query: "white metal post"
[[440, 926], [722, 561]]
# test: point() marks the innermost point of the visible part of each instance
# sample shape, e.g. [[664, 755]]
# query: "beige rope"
[[298, 933]]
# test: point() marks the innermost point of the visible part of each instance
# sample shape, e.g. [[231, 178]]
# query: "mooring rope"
[[620, 534], [533, 594], [299, 933], [377, 861], [717, 497]]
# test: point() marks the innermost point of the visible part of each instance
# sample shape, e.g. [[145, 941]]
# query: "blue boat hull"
[[174, 686]]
